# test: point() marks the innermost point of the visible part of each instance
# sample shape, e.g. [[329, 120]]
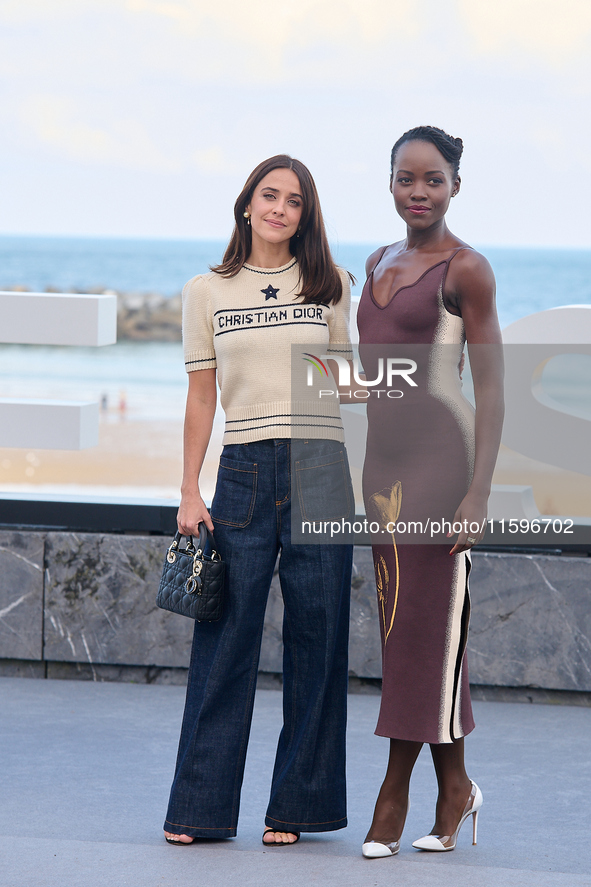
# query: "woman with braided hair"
[[429, 462]]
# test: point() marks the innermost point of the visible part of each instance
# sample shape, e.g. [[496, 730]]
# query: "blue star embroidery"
[[270, 293]]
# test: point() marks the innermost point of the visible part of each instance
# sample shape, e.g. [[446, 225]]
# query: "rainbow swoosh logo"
[[316, 362]]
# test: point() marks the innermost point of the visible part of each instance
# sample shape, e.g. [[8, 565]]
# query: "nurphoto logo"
[[389, 371]]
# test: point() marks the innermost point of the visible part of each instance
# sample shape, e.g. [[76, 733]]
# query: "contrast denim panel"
[[251, 511], [323, 504], [324, 486]]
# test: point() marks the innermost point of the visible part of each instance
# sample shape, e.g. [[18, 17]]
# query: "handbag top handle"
[[204, 534]]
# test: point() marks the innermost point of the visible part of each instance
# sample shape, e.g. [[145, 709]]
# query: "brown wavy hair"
[[319, 276]]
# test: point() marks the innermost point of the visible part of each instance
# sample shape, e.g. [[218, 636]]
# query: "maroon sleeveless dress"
[[418, 467]]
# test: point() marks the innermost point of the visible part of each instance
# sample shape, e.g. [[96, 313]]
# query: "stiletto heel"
[[448, 842], [380, 850]]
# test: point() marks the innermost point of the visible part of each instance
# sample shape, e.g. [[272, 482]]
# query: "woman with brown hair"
[[277, 285]]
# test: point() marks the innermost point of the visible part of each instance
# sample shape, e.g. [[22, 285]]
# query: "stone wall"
[[21, 595], [89, 600], [531, 621]]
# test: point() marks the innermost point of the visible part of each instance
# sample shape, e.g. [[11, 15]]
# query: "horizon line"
[[223, 240]]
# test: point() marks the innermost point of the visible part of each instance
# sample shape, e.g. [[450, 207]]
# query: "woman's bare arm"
[[199, 413], [476, 291]]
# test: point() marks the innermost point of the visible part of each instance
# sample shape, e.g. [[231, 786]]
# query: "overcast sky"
[[144, 117]]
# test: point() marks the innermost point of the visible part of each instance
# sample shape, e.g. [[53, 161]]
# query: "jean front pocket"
[[235, 493], [324, 486]]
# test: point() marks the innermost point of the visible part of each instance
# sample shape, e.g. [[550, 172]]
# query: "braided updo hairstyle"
[[448, 146]]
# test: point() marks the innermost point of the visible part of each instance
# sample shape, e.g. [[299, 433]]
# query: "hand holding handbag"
[[192, 583]]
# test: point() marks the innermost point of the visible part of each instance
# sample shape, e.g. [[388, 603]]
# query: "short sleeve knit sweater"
[[245, 326]]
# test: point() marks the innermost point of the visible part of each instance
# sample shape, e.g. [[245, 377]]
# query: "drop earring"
[[246, 215]]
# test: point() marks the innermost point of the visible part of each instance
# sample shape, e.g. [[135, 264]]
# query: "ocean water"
[[150, 376], [83, 263], [528, 280]]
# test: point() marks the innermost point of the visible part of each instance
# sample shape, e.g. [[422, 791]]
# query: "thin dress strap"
[[457, 250], [380, 257]]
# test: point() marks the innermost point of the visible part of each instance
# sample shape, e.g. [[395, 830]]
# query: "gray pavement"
[[86, 768]]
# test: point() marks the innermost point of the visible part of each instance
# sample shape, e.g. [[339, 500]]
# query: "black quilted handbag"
[[192, 582]]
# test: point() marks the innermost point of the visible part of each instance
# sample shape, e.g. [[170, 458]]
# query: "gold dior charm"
[[193, 582]]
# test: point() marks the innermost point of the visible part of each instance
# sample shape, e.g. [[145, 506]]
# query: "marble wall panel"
[[22, 668], [21, 595], [365, 650], [100, 602], [124, 674], [531, 621], [530, 627], [531, 617], [100, 607]]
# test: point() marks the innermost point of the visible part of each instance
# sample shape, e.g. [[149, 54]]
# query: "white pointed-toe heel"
[[448, 842], [379, 850]]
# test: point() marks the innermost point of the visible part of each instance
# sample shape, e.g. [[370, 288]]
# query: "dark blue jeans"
[[251, 512]]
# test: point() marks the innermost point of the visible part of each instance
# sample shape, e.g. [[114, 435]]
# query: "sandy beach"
[[131, 456], [145, 458], [556, 491]]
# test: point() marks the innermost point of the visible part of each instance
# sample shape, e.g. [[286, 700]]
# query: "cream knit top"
[[246, 326]]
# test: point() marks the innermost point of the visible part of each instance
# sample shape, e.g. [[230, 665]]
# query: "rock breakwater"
[[149, 317]]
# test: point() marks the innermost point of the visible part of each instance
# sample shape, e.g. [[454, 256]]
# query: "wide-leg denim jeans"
[[252, 515]]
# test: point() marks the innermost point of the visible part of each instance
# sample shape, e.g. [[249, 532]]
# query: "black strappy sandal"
[[180, 843], [279, 843]]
